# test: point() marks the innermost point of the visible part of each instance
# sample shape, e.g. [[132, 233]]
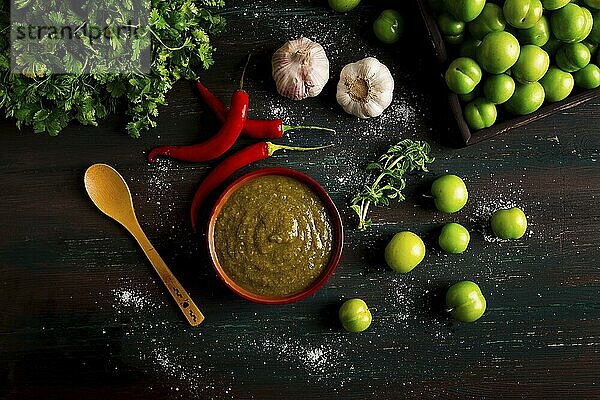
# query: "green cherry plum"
[[452, 29], [449, 193], [463, 75], [465, 98], [551, 5], [509, 223], [465, 10], [454, 238], [499, 88], [594, 35], [557, 84], [571, 23], [468, 48], [532, 64], [571, 57], [552, 46], [498, 52], [522, 14], [527, 98], [491, 19], [592, 3], [538, 35], [592, 47], [388, 27], [480, 113], [355, 315], [404, 252], [588, 77], [343, 5], [465, 302]]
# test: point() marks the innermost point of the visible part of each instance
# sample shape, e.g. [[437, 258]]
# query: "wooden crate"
[[468, 136]]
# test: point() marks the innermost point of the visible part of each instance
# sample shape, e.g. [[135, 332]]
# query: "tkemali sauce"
[[273, 236]]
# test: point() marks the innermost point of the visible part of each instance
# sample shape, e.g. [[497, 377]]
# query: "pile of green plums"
[[518, 53]]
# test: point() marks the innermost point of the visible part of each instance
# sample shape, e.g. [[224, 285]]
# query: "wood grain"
[[71, 277]]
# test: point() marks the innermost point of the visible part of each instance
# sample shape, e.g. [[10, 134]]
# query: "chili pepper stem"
[[244, 72], [318, 128], [272, 148]]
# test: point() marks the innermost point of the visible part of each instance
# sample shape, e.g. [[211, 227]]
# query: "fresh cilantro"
[[178, 33]]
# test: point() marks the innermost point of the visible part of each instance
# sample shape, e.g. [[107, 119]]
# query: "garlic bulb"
[[365, 88], [300, 69]]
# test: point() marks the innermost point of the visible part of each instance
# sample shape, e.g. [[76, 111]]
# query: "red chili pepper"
[[218, 144], [228, 166], [254, 128]]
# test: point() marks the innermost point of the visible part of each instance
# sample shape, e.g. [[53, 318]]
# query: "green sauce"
[[273, 236]]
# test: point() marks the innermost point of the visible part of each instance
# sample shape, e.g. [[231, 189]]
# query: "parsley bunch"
[[177, 33], [404, 157]]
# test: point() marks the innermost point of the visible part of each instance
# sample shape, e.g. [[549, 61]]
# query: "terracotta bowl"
[[336, 226]]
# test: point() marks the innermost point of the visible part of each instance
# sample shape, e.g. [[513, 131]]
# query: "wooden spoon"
[[110, 194]]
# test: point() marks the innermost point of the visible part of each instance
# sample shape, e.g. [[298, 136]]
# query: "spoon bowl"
[[110, 193]]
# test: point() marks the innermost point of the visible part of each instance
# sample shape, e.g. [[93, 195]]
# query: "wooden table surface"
[[83, 315]]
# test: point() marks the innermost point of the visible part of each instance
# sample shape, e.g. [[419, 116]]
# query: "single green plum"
[[454, 238], [522, 14], [509, 223], [572, 57], [538, 35], [465, 302], [557, 84], [588, 77], [465, 10], [465, 98], [463, 75], [551, 5], [449, 25], [491, 19], [592, 3], [480, 114], [527, 98], [498, 52], [552, 46], [571, 23], [499, 88], [343, 5], [355, 315], [449, 193], [532, 64], [389, 26], [404, 252], [594, 35], [468, 48], [592, 47], [452, 29]]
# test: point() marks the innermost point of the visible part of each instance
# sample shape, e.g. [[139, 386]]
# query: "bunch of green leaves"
[[389, 177], [177, 33]]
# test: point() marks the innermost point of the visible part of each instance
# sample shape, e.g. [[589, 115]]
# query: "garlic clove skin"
[[300, 69], [365, 88]]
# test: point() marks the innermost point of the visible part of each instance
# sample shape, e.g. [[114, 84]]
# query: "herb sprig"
[[404, 157]]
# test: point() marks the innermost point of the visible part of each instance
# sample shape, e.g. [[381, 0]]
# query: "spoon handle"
[[186, 304]]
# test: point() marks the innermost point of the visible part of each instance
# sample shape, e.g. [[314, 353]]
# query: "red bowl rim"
[[336, 225]]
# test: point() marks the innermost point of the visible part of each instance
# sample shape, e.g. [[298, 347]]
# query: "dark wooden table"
[[83, 315]]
